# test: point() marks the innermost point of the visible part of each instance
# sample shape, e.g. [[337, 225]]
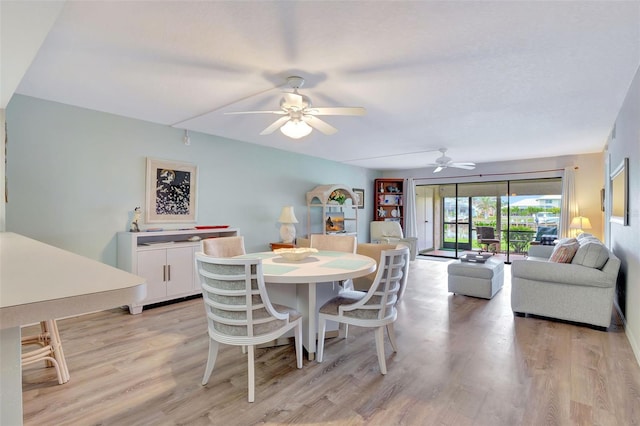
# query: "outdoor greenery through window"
[[519, 212]]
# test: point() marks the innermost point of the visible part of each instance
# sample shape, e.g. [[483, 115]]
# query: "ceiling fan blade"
[[280, 112], [322, 126], [337, 111], [466, 166], [438, 169], [275, 125]]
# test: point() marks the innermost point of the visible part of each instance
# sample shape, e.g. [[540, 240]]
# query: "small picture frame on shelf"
[[334, 222], [359, 197], [171, 191]]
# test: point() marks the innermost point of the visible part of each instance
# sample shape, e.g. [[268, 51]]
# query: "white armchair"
[[390, 232]]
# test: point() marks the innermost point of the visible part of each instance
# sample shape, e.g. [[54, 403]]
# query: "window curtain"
[[410, 227], [569, 206]]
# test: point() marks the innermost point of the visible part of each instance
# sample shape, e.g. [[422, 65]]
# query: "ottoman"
[[476, 279]]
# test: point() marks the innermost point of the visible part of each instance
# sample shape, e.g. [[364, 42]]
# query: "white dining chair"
[[239, 311], [373, 251], [223, 246], [344, 243], [376, 308]]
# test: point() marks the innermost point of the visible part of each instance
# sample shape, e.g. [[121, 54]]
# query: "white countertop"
[[39, 281]]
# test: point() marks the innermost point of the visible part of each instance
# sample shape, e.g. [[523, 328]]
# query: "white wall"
[[75, 175], [625, 240], [2, 179]]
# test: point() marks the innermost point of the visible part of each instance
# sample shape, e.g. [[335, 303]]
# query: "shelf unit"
[[389, 200], [319, 208], [166, 260]]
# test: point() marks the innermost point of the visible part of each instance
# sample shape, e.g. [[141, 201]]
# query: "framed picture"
[[360, 197], [334, 222], [171, 191], [619, 190]]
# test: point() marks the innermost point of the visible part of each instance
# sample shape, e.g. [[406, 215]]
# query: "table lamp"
[[287, 229], [580, 223]]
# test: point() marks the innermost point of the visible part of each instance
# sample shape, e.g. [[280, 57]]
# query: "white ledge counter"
[[38, 282]]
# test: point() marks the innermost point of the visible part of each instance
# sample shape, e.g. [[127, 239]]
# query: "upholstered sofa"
[[581, 290]]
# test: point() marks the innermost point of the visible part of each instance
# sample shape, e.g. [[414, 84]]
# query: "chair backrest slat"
[[382, 297], [235, 297]]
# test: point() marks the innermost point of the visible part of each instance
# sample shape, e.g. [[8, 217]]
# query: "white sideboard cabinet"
[[166, 260]]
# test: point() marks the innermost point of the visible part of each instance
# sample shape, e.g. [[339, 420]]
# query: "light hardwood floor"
[[461, 361]]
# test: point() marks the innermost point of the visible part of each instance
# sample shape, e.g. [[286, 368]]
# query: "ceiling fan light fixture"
[[296, 129]]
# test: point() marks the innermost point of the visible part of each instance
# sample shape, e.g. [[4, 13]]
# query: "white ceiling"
[[490, 81]]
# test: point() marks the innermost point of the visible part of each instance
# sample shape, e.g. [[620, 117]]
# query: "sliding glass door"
[[456, 227], [533, 211], [519, 212]]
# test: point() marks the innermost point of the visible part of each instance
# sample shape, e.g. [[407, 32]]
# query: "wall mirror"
[[619, 185]]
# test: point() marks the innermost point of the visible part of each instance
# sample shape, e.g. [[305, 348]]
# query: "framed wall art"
[[619, 190], [360, 195], [171, 191]]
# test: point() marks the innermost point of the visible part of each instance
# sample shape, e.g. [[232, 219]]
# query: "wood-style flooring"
[[461, 361]]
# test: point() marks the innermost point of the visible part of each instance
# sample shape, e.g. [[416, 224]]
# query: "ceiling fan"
[[299, 117], [443, 162]]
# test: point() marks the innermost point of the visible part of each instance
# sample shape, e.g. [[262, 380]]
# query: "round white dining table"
[[321, 267]]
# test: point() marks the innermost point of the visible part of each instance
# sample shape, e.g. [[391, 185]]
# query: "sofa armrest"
[[563, 273]]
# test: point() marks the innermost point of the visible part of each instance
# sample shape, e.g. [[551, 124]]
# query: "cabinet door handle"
[[164, 272], [169, 273]]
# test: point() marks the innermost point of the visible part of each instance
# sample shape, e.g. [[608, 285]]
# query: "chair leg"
[[50, 350], [343, 330], [298, 342], [211, 360], [252, 373], [42, 354], [380, 349], [45, 339], [58, 353], [322, 326], [392, 336], [346, 285]]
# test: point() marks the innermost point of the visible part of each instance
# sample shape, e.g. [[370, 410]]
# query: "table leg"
[[11, 374], [307, 306]]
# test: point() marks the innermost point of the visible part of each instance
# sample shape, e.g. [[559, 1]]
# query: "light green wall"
[[74, 176]]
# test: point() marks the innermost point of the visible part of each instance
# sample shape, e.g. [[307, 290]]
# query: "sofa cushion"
[[564, 251], [591, 254], [584, 235]]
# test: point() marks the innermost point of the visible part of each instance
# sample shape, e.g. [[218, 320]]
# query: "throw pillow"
[[591, 254], [564, 251]]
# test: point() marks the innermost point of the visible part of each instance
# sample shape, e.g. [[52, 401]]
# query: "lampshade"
[[580, 222], [296, 129], [287, 215]]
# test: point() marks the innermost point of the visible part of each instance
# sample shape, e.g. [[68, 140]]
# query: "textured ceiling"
[[490, 81]]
